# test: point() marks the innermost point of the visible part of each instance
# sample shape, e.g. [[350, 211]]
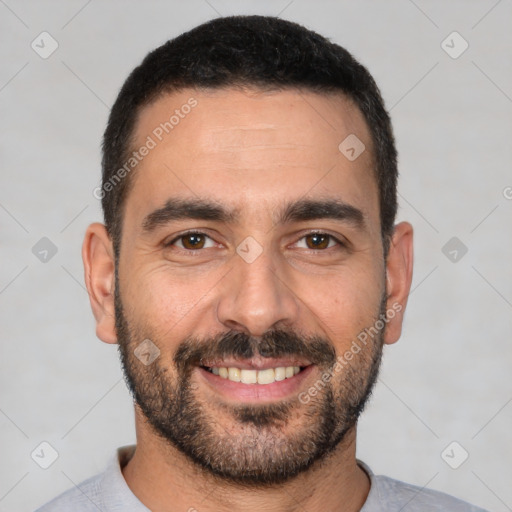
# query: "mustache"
[[238, 345]]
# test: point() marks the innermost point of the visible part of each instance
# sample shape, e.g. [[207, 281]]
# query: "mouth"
[[256, 380], [254, 376]]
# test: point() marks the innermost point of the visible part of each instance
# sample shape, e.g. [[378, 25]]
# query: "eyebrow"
[[313, 209], [178, 208], [296, 211]]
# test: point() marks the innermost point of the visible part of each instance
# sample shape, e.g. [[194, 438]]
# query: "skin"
[[253, 151]]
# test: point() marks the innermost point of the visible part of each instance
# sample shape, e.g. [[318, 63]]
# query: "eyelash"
[[194, 232]]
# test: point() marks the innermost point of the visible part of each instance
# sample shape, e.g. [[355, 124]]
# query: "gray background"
[[448, 378]]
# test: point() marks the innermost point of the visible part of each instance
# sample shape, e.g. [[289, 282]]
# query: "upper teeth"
[[266, 376]]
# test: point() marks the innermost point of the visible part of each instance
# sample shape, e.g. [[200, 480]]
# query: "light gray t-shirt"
[[109, 492]]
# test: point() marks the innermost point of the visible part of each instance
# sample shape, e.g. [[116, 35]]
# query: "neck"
[[165, 480]]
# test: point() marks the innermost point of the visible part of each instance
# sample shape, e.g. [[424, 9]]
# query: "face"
[[250, 264]]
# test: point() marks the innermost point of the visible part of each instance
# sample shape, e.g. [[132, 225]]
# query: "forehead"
[[251, 148]]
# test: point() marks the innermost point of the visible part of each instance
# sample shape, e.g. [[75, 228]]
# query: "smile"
[[250, 376], [256, 379]]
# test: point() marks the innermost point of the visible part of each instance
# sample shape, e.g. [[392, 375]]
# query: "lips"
[[257, 370], [256, 379]]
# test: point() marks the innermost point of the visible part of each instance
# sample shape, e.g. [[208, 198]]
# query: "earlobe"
[[99, 269], [399, 267]]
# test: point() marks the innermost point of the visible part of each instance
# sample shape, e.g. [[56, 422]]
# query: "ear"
[[99, 267], [398, 279]]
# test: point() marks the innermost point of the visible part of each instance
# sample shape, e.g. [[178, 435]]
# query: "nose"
[[257, 296]]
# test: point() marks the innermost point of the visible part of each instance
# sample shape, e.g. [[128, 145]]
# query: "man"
[[251, 272]]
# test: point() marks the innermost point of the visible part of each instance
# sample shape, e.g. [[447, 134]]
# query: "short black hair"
[[254, 52]]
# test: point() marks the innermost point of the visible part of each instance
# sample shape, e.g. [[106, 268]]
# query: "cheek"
[[345, 303], [167, 302]]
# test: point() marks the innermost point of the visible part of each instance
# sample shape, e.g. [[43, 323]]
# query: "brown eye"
[[317, 241], [192, 241]]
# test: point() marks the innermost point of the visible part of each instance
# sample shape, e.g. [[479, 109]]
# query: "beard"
[[253, 448]]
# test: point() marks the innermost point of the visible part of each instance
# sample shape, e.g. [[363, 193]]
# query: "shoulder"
[[390, 495], [83, 498], [396, 495], [104, 491]]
